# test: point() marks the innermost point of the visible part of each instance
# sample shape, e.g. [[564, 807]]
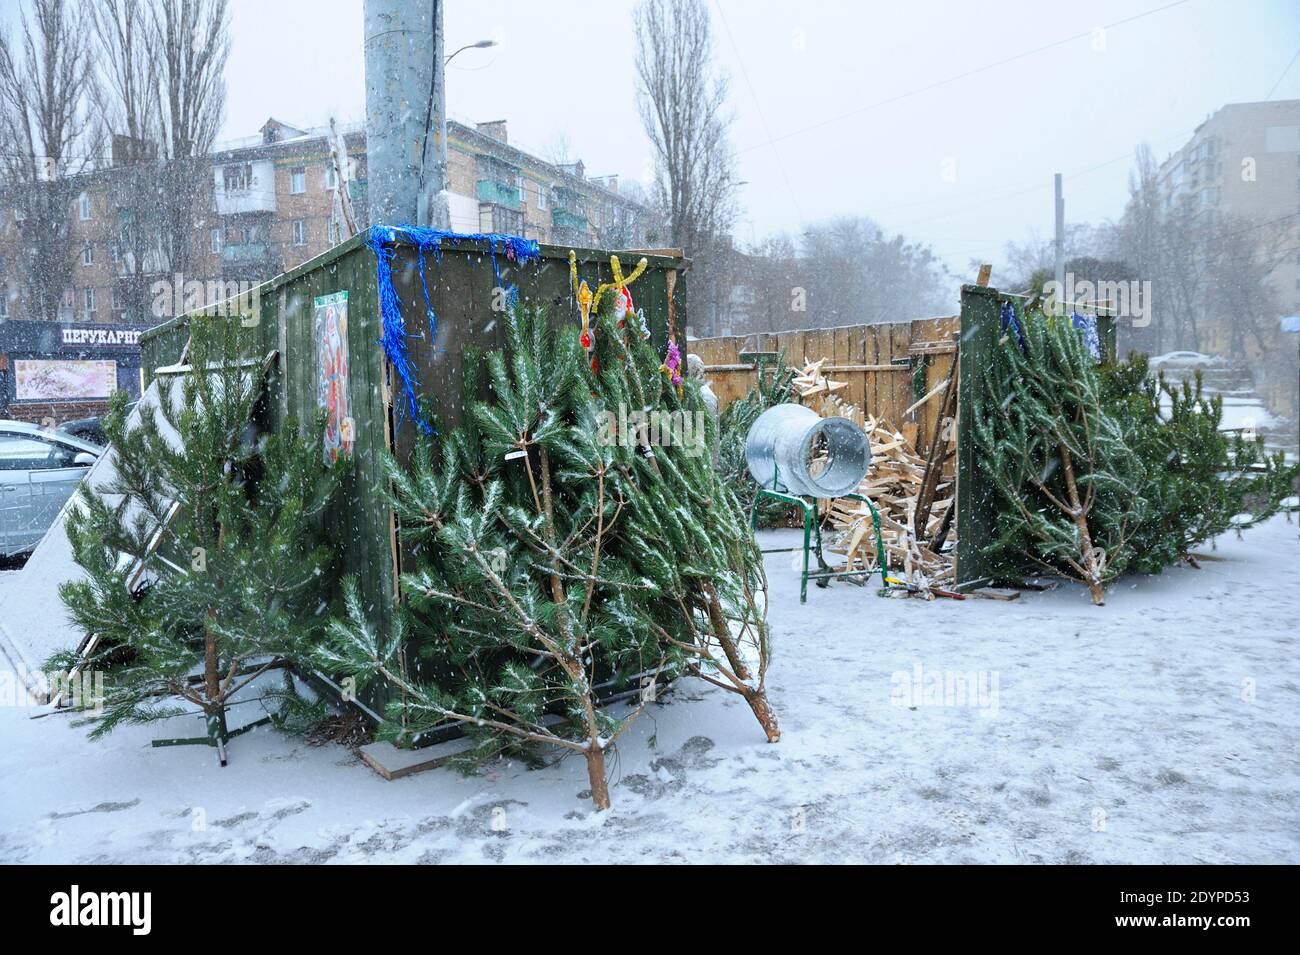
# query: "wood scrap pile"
[[811, 383], [894, 484]]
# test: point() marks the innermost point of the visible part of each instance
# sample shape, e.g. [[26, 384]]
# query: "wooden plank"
[[392, 762], [900, 338]]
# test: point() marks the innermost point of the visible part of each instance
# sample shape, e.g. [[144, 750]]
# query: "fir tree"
[[1201, 481], [736, 420], [203, 553], [1069, 489], [566, 549]]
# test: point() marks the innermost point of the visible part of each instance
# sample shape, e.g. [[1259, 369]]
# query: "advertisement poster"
[[62, 379], [331, 327]]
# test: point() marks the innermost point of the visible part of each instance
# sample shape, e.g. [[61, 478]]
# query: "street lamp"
[[480, 45]]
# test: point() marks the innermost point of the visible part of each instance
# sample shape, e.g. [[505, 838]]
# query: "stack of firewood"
[[893, 484]]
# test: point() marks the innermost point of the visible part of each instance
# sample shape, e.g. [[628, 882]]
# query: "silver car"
[[39, 470]]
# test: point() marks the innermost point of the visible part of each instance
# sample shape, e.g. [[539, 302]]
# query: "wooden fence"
[[887, 366]]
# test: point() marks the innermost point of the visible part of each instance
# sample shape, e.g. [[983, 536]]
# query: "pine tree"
[[567, 548], [218, 530], [1201, 480], [1069, 490], [736, 420]]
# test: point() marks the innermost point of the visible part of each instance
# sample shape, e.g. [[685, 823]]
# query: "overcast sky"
[[841, 108]]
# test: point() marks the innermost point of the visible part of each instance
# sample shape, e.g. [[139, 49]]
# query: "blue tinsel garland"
[[382, 240], [1088, 325], [1009, 321]]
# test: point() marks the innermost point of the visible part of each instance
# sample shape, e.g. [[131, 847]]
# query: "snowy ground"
[[1161, 728]]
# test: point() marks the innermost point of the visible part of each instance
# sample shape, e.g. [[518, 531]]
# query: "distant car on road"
[[39, 470]]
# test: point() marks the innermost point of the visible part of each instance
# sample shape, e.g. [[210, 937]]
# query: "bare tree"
[[129, 106], [128, 67], [47, 137], [682, 99], [192, 42]]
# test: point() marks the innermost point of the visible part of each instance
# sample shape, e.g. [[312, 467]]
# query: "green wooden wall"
[[981, 331], [461, 288]]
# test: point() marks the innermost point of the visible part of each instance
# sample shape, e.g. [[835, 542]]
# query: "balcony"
[[243, 188], [569, 221], [247, 253], [498, 193], [234, 202]]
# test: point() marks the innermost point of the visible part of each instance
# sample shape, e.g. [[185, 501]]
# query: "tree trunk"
[[722, 632], [757, 700], [1088, 554], [596, 774], [211, 673]]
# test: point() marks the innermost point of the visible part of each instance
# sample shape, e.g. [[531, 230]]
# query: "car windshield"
[[20, 452]]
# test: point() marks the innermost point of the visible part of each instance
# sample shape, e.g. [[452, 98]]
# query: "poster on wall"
[[330, 319], [63, 379]]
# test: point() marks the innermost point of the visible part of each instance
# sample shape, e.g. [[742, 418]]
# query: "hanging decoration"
[[672, 366], [1088, 325], [1011, 324], [589, 302], [586, 300], [382, 241]]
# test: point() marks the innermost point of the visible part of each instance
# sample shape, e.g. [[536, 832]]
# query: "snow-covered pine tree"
[[1069, 489], [566, 549], [219, 530]]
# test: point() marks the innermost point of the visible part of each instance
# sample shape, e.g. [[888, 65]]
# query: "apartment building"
[[274, 203], [1244, 162]]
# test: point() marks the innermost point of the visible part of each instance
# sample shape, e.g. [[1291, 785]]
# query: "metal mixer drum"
[[792, 448]]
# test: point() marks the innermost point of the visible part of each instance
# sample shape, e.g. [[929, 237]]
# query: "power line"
[[759, 110], [1294, 57], [964, 75]]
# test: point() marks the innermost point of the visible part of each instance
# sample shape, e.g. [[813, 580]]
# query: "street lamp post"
[[480, 45]]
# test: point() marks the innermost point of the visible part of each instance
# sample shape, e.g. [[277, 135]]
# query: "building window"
[[331, 178], [297, 180], [69, 298], [83, 206], [332, 231], [114, 253], [216, 241], [87, 254], [119, 302], [88, 300], [4, 301], [542, 190], [523, 189], [299, 231], [19, 214]]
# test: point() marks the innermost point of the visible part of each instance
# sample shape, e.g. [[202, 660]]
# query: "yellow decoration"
[[619, 282], [581, 292]]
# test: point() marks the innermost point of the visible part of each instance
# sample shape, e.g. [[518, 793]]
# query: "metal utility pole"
[[1059, 272], [406, 119]]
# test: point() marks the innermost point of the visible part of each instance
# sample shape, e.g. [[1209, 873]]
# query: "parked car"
[[90, 429], [39, 470], [87, 429]]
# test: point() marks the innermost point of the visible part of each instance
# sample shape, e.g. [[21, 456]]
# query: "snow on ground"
[[1160, 728]]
